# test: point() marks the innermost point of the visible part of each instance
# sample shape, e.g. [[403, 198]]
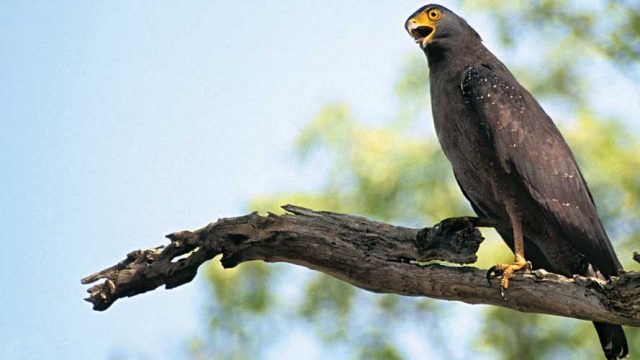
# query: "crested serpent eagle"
[[510, 160]]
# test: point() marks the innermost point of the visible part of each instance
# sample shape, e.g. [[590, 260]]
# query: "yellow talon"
[[507, 270]]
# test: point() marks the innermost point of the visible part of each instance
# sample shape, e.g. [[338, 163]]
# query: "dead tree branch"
[[371, 255]]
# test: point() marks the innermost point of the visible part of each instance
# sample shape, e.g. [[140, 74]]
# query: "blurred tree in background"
[[397, 173]]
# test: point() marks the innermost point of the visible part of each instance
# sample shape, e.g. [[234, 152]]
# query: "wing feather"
[[530, 146]]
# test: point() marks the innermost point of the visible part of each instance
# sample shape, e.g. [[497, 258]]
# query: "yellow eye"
[[434, 14]]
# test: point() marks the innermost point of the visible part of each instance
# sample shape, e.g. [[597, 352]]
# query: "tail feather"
[[613, 341]]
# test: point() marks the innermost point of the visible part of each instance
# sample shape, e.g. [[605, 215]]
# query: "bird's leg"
[[508, 270]]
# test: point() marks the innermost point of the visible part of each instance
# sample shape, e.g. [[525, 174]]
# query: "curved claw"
[[507, 272], [491, 272], [494, 270]]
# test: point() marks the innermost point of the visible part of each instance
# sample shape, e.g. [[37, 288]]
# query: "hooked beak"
[[421, 32]]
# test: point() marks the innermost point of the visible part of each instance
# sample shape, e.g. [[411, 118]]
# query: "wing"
[[529, 146]]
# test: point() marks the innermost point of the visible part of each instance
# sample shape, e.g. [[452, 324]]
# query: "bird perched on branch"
[[510, 160]]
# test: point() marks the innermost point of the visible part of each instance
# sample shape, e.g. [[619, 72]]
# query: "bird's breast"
[[467, 146]]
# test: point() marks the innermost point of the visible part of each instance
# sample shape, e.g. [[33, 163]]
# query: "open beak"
[[422, 32]]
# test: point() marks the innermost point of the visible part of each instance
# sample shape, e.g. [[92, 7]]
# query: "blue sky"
[[126, 120], [123, 121]]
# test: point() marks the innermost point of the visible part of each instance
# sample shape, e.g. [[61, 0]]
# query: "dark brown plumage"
[[510, 160]]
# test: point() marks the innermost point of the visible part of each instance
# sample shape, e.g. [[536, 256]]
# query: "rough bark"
[[371, 255]]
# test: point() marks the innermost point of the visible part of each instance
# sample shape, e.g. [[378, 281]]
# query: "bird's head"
[[435, 24]]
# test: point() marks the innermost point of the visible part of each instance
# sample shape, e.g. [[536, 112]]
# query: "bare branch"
[[374, 256]]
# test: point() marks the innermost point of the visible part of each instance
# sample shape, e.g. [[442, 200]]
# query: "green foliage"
[[239, 314], [327, 306], [609, 27], [512, 336], [378, 348], [396, 172]]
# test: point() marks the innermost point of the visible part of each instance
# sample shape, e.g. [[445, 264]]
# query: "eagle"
[[511, 161]]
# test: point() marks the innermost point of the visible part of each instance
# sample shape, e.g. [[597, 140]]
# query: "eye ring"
[[434, 14]]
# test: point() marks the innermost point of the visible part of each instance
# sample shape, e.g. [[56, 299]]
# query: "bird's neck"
[[456, 57]]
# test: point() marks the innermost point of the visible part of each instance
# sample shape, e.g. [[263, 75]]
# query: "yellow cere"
[[423, 18]]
